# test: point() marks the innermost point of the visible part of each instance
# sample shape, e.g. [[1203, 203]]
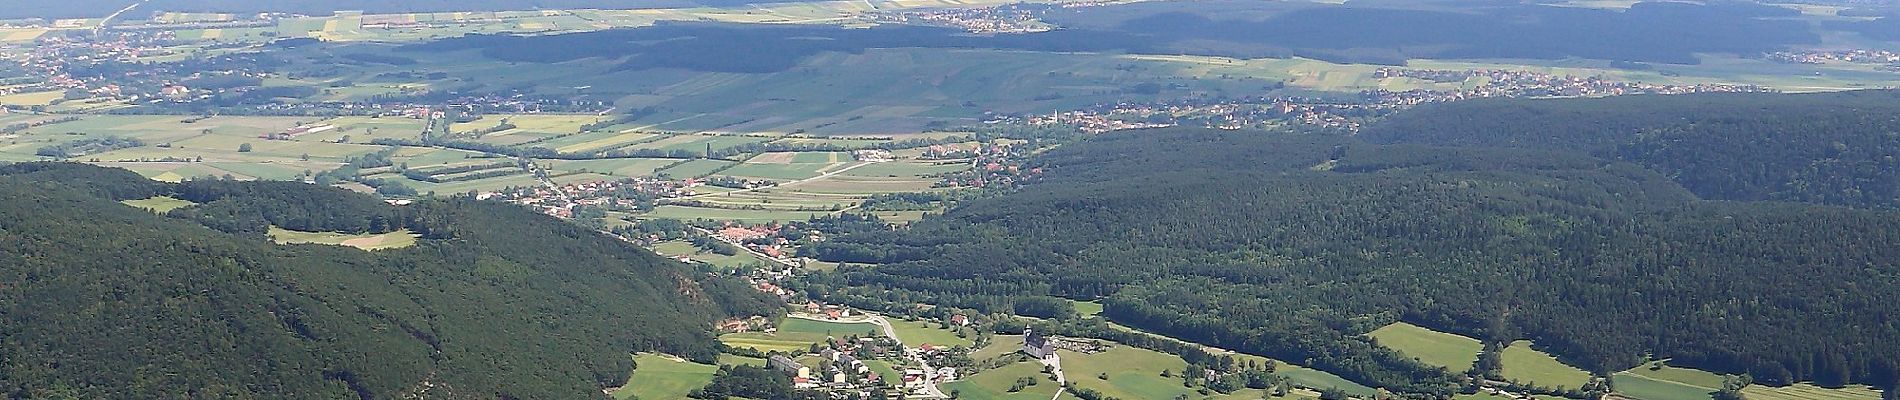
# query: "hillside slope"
[[1290, 246], [1826, 148], [102, 300]]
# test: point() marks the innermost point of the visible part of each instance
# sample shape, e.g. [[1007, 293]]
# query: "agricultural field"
[[1803, 391], [31, 98], [720, 214], [916, 333], [159, 204], [795, 334], [379, 241], [1455, 353], [1525, 364], [695, 168], [664, 377], [994, 384]]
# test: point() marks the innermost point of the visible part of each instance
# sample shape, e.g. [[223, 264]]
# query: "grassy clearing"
[[1454, 352], [1088, 308], [375, 241], [694, 168], [1317, 379], [915, 333], [1000, 345], [1525, 364], [662, 377], [994, 384], [160, 204]]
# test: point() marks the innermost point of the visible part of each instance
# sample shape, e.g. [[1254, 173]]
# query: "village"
[[1348, 113]]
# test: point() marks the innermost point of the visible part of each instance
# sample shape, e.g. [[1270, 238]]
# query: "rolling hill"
[[105, 300]]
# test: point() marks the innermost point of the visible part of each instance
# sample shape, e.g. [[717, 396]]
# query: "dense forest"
[[1293, 245], [103, 300], [1827, 148]]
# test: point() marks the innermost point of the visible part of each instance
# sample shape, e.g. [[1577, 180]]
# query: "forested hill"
[[1293, 246], [102, 300], [1828, 148]]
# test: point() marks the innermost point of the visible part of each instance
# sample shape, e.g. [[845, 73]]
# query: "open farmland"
[[1454, 352], [1525, 364], [658, 376]]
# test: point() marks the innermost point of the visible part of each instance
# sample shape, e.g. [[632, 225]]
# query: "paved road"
[[930, 387]]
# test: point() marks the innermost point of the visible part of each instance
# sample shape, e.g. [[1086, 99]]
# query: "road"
[[109, 18]]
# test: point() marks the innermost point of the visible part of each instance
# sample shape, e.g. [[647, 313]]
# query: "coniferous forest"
[[103, 300], [1612, 231]]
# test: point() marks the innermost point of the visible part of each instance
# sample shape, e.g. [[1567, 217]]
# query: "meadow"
[[664, 377], [1455, 353], [917, 333], [994, 384], [376, 241], [159, 204], [1525, 364]]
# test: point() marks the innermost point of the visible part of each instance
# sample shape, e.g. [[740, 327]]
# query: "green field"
[[994, 384], [778, 172], [1319, 380], [729, 359], [724, 262], [1803, 391], [1088, 308], [663, 377], [1524, 364], [795, 334], [915, 333], [1000, 345], [379, 241], [1133, 373], [160, 204], [1454, 352], [695, 168]]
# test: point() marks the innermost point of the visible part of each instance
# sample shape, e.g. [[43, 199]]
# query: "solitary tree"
[[244, 148]]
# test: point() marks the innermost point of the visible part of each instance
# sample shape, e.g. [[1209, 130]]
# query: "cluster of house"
[[1513, 83], [994, 165], [1092, 122], [952, 151], [1858, 56], [616, 194], [986, 20], [1245, 112], [873, 155], [838, 369]]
